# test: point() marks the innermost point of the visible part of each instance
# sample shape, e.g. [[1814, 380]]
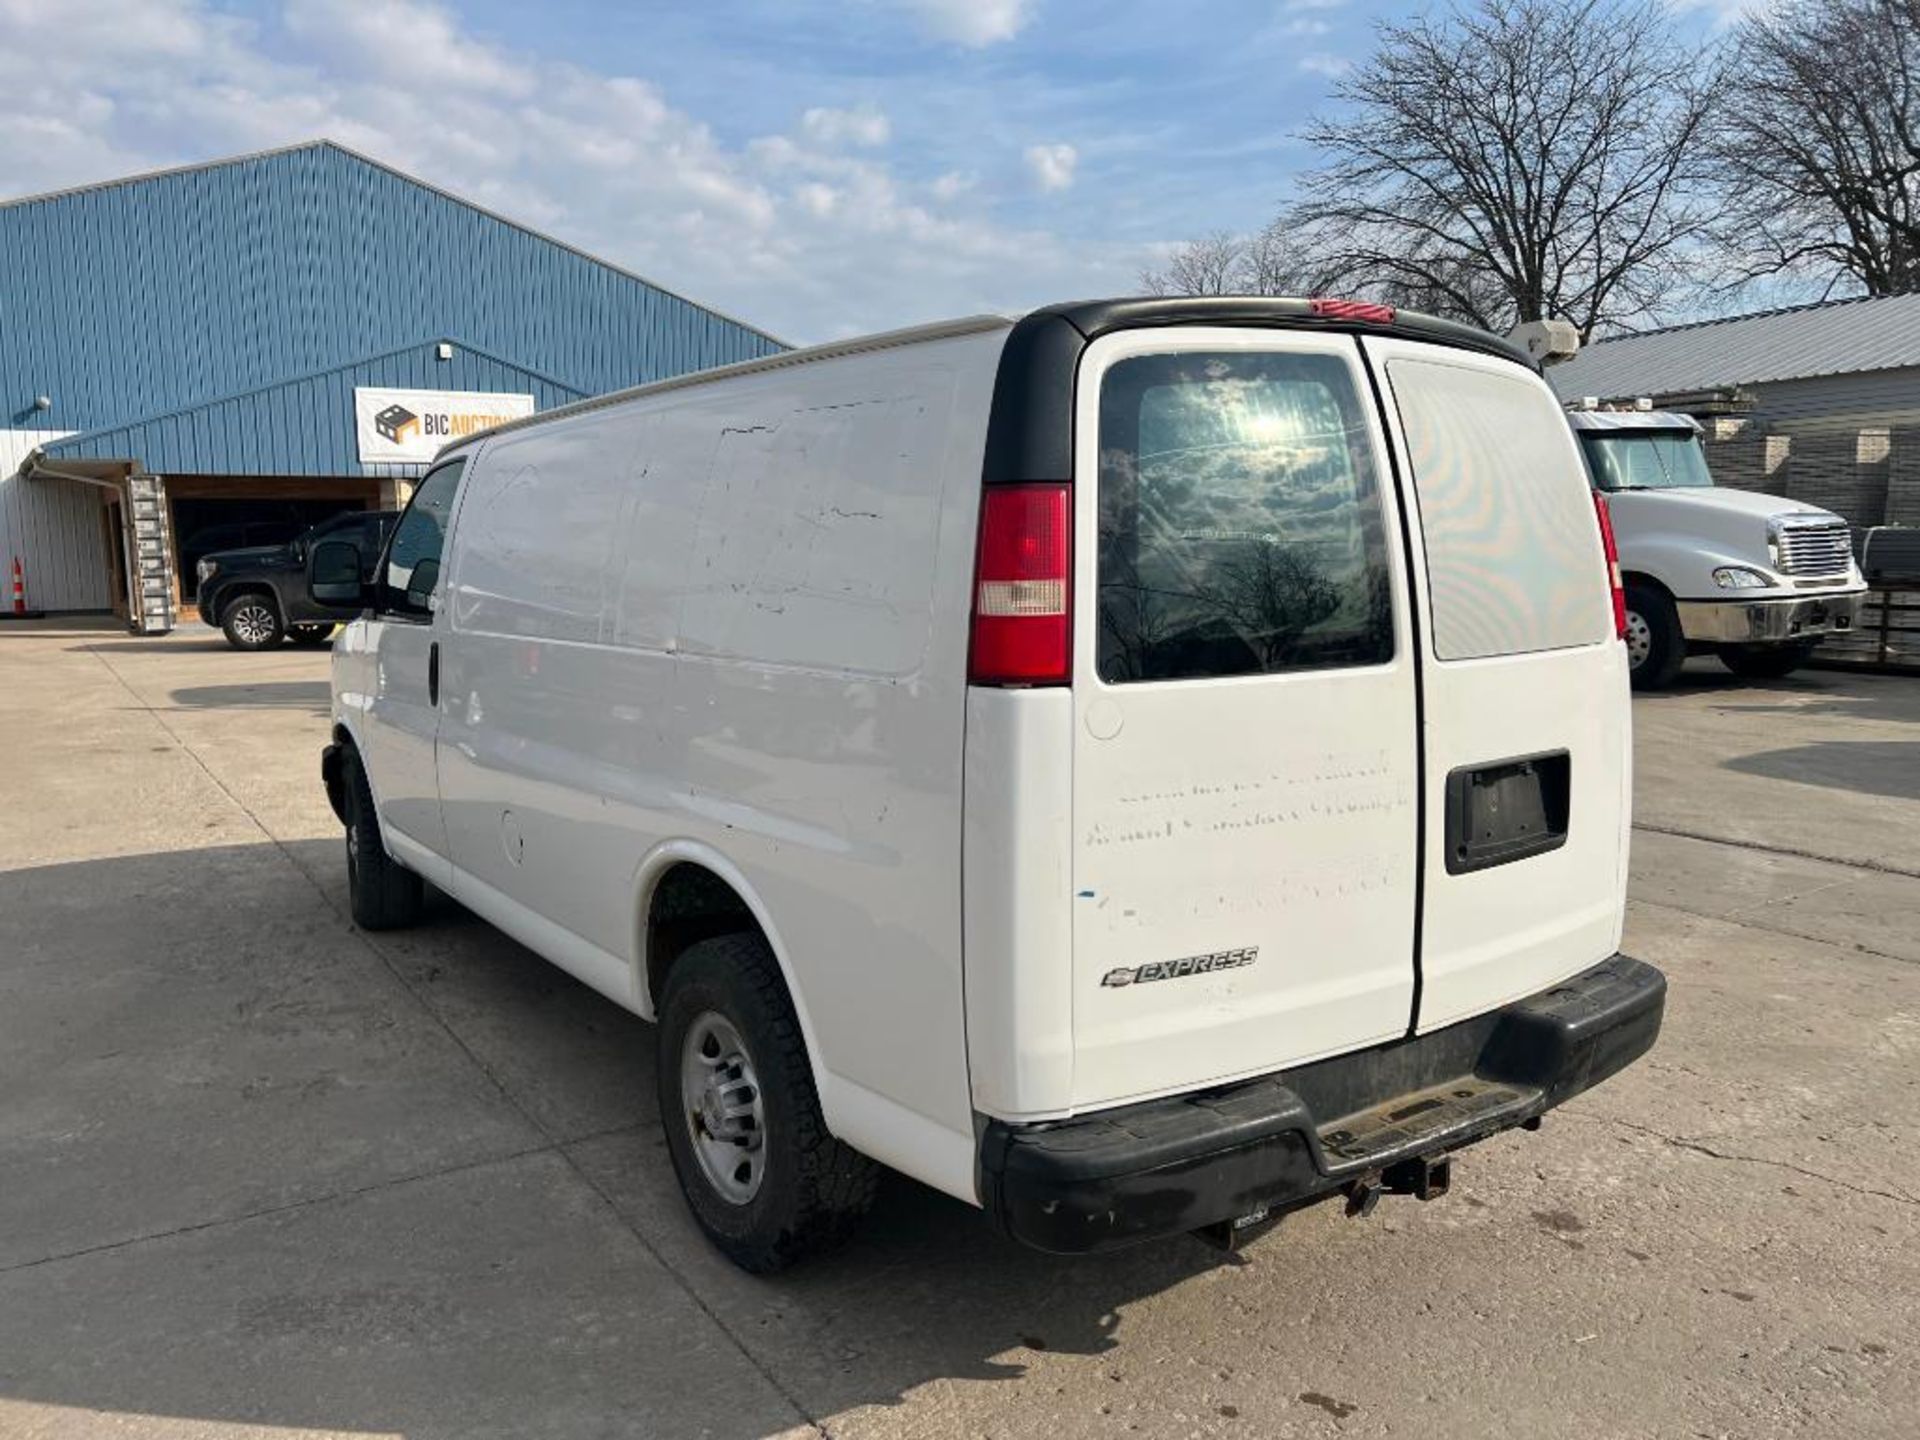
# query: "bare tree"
[[1210, 265], [1511, 160], [1221, 263], [1820, 144]]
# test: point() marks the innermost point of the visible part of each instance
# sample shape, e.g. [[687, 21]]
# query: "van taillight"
[[1613, 565], [1023, 581]]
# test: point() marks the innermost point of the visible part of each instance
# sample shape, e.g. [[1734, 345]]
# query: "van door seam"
[[1404, 501]]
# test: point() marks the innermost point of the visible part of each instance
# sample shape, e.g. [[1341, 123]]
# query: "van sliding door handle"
[[433, 673]]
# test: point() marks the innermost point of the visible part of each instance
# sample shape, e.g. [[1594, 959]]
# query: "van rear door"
[[1526, 718], [1245, 776]]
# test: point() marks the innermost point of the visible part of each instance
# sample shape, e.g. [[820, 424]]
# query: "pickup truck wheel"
[[1766, 662], [251, 623], [382, 893], [1656, 649], [762, 1175], [311, 634]]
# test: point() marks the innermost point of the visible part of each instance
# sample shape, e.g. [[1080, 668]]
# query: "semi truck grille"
[[1815, 547]]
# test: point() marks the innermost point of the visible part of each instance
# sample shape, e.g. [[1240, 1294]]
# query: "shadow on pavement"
[[315, 695], [1866, 767], [182, 645], [266, 1169]]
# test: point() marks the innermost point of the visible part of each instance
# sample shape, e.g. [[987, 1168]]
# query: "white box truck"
[[1138, 768], [1754, 579]]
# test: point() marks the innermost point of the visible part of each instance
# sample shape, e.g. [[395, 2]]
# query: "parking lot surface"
[[262, 1174]]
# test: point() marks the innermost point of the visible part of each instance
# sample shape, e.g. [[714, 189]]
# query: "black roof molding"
[[1030, 430]]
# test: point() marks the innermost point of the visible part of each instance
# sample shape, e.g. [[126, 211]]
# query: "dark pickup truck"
[[258, 595]]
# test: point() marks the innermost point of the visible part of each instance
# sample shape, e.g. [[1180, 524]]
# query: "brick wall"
[[1868, 477]]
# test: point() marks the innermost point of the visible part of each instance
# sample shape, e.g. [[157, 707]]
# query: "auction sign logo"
[[408, 427]]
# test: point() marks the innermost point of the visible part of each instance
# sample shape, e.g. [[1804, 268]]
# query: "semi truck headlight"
[[1738, 577], [205, 569]]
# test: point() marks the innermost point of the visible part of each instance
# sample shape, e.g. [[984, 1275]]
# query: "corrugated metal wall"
[[270, 279], [1864, 400], [304, 426], [136, 299], [54, 527]]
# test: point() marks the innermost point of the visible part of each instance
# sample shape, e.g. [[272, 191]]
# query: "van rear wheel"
[[1656, 648], [759, 1170]]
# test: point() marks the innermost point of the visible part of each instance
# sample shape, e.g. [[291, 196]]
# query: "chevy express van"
[[1138, 768], [1753, 579]]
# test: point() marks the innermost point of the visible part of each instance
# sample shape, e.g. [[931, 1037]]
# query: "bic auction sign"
[[407, 427]]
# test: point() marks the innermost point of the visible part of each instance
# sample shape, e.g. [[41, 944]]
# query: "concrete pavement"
[[260, 1173]]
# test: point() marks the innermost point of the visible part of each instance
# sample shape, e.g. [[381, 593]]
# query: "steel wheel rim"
[[720, 1098], [1639, 639], [253, 623]]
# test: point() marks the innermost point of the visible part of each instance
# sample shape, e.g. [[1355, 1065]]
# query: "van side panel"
[[1019, 915], [776, 672]]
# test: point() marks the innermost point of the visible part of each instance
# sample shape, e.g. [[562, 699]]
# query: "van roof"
[[1043, 352]]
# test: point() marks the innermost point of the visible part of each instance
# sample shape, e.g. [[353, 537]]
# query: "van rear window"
[[1513, 553], [1240, 524]]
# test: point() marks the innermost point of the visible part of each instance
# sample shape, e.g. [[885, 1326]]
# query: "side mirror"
[[333, 573]]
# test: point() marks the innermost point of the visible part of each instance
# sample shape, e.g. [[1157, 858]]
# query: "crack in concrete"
[[1853, 947], [1878, 866], [1699, 1147], [553, 1143], [332, 1197]]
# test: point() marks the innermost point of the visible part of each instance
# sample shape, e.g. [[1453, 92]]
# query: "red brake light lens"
[[1023, 584], [1364, 311], [1613, 565]]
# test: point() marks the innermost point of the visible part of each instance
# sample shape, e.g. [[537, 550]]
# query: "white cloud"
[[405, 41], [1052, 166], [969, 22], [808, 233], [862, 125], [1320, 63], [954, 184], [1305, 26]]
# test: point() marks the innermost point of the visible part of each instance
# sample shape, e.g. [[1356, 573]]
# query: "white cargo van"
[[1754, 579], [1138, 768]]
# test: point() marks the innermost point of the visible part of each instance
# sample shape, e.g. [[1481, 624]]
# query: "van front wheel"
[[382, 893], [761, 1174], [1656, 649]]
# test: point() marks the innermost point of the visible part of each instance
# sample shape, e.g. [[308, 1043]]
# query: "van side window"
[[1240, 519], [411, 575], [1513, 555]]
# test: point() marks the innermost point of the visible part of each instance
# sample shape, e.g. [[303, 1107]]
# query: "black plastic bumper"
[[1273, 1144]]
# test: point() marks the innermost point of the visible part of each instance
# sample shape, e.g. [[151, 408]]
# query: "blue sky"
[[817, 168]]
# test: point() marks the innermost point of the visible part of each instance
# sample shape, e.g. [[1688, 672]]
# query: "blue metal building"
[[191, 357]]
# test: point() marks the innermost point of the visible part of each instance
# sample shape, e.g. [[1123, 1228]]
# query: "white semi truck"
[[1754, 579]]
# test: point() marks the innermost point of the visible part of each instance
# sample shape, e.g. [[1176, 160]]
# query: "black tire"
[[383, 894], [1656, 649], [251, 621], [312, 635], [811, 1188], [1766, 662]]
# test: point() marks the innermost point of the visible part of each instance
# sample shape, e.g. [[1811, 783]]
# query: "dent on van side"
[[1139, 768]]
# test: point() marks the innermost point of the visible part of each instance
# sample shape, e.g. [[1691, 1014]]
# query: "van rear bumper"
[[1269, 1145]]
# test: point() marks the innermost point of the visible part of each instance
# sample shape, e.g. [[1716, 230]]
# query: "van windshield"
[[1646, 460]]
